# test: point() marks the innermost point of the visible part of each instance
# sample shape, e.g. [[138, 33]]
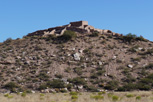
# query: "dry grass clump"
[[142, 96]]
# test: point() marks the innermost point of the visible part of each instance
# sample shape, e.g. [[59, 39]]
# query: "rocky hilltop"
[[76, 57], [79, 26]]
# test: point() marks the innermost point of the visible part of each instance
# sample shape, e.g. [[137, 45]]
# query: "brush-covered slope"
[[75, 61]]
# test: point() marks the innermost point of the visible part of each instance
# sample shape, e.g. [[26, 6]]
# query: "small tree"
[[68, 35], [11, 86]]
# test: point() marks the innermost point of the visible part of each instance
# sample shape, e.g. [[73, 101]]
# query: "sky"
[[20, 17]]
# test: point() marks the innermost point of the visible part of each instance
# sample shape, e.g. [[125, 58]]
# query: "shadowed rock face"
[[79, 26]]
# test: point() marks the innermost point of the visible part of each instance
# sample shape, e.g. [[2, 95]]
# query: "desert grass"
[[137, 96]]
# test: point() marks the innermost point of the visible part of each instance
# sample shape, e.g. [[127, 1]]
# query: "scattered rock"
[[80, 87], [114, 57], [76, 56], [80, 51], [130, 66], [100, 63]]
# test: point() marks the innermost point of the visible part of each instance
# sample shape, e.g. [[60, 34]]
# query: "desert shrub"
[[129, 95], [41, 94], [119, 61], [112, 85], [115, 98], [132, 37], [11, 86], [134, 48], [68, 35], [126, 71], [74, 97], [146, 80], [94, 34], [69, 86], [138, 97], [73, 93], [78, 71], [51, 37], [77, 81], [94, 76], [110, 95], [150, 76], [97, 97], [91, 88], [8, 40], [100, 93], [56, 84], [149, 66], [43, 76], [103, 42], [8, 96], [149, 51], [141, 38], [23, 94], [58, 76], [100, 72], [130, 79], [127, 87], [129, 37], [63, 90], [42, 87], [142, 86]]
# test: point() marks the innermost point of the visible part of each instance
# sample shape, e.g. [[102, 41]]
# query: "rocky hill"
[[76, 57]]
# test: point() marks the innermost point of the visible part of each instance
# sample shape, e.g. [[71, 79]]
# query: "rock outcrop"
[[79, 26]]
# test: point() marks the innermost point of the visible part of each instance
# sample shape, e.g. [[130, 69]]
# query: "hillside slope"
[[84, 62]]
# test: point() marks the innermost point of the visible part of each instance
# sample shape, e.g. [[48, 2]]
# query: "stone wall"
[[79, 23], [79, 26]]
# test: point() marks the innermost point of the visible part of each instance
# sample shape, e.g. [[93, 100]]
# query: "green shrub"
[[91, 88], [68, 35], [134, 48], [10, 96], [63, 90], [78, 71], [110, 95], [58, 76], [141, 38], [112, 85], [115, 98], [6, 95], [132, 37], [42, 87], [149, 66], [73, 93], [149, 51], [43, 76], [127, 87], [77, 81], [100, 93], [74, 97], [41, 94], [129, 95], [142, 86], [56, 84], [138, 97], [129, 37], [23, 94], [94, 34], [11, 86], [97, 97], [8, 40], [94, 76]]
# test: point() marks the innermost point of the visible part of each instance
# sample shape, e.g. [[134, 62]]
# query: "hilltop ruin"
[[78, 26]]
